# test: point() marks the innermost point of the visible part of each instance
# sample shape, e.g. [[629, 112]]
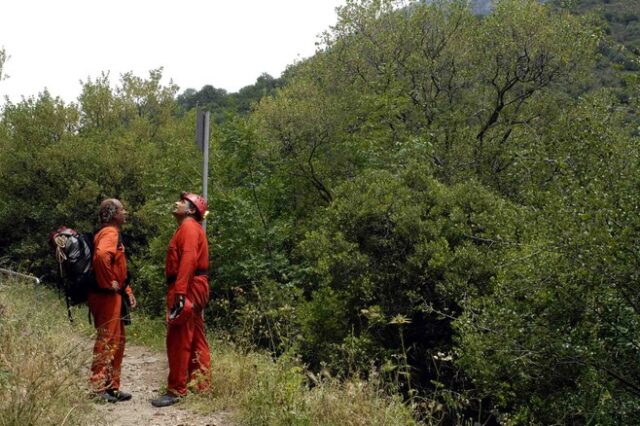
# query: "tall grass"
[[285, 395], [42, 362], [261, 391]]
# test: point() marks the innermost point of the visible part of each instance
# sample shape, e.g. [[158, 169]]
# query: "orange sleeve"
[[187, 258], [104, 257]]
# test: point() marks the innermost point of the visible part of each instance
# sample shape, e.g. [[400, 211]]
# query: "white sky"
[[225, 43]]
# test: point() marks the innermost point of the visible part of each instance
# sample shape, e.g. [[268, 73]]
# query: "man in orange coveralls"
[[105, 302], [186, 268]]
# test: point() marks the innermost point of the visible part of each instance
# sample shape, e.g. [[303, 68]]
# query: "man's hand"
[[114, 285], [178, 305], [132, 301]]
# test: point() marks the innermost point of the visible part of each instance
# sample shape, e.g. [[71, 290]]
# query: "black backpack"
[[74, 254]]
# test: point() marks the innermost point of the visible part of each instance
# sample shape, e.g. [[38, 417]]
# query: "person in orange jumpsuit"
[[186, 266], [105, 302]]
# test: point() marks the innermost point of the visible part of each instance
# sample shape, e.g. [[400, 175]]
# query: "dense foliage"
[[617, 61], [442, 199], [622, 17]]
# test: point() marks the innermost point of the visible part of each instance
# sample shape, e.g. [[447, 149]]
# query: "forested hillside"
[[223, 105], [443, 200], [622, 17], [618, 60]]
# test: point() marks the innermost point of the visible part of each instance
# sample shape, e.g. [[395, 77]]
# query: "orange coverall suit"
[[186, 267], [109, 264]]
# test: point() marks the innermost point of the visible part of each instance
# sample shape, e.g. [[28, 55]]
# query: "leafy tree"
[[557, 340]]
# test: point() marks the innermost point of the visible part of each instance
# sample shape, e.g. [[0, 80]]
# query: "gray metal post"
[[205, 164], [202, 140]]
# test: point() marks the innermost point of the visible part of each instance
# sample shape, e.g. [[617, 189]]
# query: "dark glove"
[[125, 311], [178, 305]]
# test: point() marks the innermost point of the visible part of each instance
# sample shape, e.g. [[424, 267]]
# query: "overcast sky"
[[225, 43]]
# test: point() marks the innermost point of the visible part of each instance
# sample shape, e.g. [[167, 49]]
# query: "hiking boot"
[[165, 400], [104, 397], [119, 395]]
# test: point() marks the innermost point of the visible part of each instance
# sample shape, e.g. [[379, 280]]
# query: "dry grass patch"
[[42, 362]]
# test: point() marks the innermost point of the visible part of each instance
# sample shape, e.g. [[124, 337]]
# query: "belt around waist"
[[199, 272]]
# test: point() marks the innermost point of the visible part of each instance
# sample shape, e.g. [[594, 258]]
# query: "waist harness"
[[199, 272]]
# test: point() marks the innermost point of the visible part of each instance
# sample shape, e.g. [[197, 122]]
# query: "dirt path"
[[143, 374]]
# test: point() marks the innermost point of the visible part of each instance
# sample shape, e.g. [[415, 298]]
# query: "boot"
[[165, 400], [119, 395], [104, 396]]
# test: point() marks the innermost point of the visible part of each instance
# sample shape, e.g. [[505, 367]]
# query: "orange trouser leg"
[[200, 357], [188, 354], [110, 341], [179, 339], [116, 364]]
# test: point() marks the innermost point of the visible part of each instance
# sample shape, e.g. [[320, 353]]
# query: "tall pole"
[[205, 164], [202, 140]]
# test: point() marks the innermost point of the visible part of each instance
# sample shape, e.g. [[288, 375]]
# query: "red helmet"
[[198, 202], [184, 315]]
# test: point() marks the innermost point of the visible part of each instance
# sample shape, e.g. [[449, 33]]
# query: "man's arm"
[[187, 258], [103, 257]]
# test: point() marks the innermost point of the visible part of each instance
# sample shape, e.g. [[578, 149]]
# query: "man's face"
[[180, 208], [121, 214]]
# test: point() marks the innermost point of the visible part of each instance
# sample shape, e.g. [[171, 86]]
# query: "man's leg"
[[103, 308], [116, 364], [200, 357], [179, 338]]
